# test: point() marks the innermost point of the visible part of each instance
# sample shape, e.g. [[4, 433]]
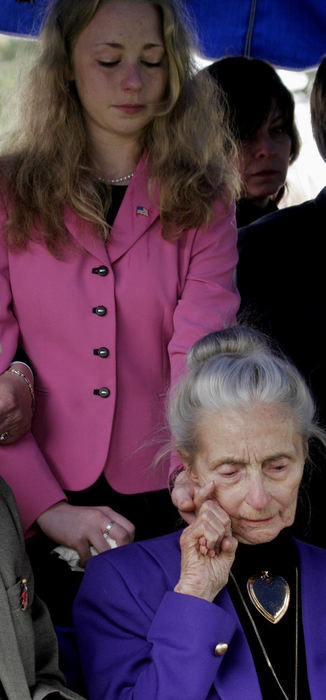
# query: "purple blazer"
[[138, 639], [141, 298]]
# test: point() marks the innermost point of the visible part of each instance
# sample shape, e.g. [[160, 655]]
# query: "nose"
[[257, 496], [131, 79], [263, 145]]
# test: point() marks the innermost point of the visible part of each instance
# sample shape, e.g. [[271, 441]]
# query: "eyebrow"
[[239, 462], [278, 115], [116, 45], [281, 455], [225, 460]]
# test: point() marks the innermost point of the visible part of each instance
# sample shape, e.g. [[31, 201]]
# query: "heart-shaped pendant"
[[270, 595]]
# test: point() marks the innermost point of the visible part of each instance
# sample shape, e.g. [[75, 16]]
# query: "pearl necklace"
[[116, 180]]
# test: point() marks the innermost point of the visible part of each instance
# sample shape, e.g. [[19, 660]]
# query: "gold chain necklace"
[[266, 657]]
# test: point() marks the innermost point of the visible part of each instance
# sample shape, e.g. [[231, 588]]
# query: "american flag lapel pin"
[[23, 594], [141, 211]]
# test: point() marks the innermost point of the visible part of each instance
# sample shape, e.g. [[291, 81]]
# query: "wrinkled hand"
[[207, 549], [183, 496], [80, 527], [15, 407]]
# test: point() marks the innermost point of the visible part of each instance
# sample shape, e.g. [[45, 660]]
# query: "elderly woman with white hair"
[[232, 605]]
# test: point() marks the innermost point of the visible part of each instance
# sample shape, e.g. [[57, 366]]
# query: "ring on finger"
[[108, 527], [4, 436]]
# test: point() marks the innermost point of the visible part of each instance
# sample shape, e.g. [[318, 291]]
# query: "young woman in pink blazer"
[[117, 251]]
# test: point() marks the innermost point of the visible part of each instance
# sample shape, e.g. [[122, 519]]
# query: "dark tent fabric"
[[288, 33]]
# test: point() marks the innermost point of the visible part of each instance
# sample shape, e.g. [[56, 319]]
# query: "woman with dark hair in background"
[[261, 111], [261, 116], [280, 277]]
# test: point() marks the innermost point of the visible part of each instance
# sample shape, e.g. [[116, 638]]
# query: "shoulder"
[[223, 211], [138, 565], [310, 555], [221, 232], [320, 201], [7, 500], [12, 546], [161, 552], [287, 220], [9, 516]]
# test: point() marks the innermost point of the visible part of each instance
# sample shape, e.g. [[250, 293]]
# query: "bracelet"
[[180, 468], [20, 362], [27, 382]]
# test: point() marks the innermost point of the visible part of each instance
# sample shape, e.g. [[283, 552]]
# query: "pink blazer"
[[144, 300]]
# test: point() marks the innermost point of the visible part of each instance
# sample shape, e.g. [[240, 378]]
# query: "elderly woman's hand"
[[207, 549], [16, 404]]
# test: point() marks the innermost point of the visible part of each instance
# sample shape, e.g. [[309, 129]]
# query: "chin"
[[259, 534], [249, 532], [265, 193], [255, 540]]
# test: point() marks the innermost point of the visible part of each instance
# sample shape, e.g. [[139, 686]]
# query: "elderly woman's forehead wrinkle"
[[256, 432]]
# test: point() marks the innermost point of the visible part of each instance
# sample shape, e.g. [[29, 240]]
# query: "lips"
[[260, 520], [129, 109], [265, 173]]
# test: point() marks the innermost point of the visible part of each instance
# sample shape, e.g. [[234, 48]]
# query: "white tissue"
[[71, 556]]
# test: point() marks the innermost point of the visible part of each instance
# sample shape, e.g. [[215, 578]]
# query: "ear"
[[186, 461]]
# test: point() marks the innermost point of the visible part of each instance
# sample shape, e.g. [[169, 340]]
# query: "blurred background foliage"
[[16, 55]]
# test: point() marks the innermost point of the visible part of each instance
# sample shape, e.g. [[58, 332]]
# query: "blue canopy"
[[287, 33]]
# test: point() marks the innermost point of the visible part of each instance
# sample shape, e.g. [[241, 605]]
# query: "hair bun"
[[236, 340]]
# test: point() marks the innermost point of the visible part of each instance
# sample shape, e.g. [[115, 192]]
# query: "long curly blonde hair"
[[46, 163]]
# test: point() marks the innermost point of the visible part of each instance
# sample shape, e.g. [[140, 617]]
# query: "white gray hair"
[[237, 368]]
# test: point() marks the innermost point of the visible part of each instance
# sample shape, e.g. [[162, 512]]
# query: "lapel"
[[136, 214], [128, 227], [236, 676], [313, 600], [12, 673], [84, 234]]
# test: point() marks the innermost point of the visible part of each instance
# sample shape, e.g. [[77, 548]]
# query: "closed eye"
[[230, 473], [108, 64], [150, 64], [277, 468]]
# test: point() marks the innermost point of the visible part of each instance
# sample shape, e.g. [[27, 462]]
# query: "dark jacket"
[[280, 278], [247, 212]]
